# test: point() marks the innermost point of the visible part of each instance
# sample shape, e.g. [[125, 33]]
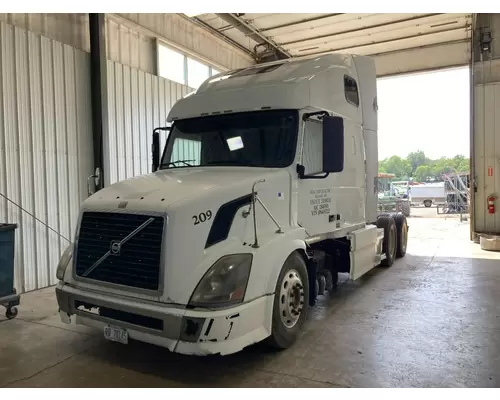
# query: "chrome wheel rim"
[[291, 298]]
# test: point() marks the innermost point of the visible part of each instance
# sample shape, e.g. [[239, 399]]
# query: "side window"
[[351, 91], [312, 156]]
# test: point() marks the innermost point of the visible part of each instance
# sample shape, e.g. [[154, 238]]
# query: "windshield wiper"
[[173, 163]]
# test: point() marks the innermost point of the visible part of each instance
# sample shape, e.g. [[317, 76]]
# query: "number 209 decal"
[[202, 217]]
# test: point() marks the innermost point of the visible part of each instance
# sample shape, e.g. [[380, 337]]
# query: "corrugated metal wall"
[[487, 150], [486, 131], [138, 102], [45, 147], [181, 32]]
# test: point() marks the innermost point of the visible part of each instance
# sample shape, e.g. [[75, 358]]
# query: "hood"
[[157, 191], [195, 234]]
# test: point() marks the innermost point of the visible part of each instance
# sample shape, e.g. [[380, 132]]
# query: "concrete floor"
[[432, 320]]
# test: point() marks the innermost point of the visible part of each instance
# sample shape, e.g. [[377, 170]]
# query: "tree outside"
[[419, 168]]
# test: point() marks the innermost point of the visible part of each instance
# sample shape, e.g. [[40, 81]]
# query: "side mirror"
[[333, 144], [155, 149]]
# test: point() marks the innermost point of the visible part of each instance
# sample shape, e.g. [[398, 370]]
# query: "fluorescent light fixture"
[[192, 15]]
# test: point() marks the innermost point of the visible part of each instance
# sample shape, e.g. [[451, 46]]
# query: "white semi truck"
[[265, 192]]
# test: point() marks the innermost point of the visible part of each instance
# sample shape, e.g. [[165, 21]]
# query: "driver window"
[[313, 147]]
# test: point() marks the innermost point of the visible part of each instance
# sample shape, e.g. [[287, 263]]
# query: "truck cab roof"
[[316, 83]]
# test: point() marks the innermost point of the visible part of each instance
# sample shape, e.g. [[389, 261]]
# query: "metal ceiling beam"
[[428, 46], [386, 41], [220, 35], [250, 31], [365, 28], [300, 22]]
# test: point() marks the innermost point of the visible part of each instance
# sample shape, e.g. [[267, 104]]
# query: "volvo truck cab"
[[265, 191]]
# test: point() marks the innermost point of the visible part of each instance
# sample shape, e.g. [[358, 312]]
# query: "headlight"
[[64, 262], [225, 283]]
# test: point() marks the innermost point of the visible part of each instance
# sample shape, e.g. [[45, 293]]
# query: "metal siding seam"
[[161, 110], [127, 122], [61, 149], [135, 117], [25, 162], [109, 147], [72, 138], [141, 82], [156, 103], [161, 101], [3, 148], [120, 140], [50, 153], [12, 146], [496, 150], [149, 113], [39, 185]]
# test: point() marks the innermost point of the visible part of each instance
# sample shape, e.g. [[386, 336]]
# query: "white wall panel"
[[423, 59], [45, 147], [138, 102], [486, 130], [487, 149], [189, 37], [71, 29]]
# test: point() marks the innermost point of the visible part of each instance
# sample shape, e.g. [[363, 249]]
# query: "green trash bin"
[[8, 297]]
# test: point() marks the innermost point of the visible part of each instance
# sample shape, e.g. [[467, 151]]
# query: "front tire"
[[291, 303], [427, 203]]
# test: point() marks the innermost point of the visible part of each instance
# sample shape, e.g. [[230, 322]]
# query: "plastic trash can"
[[8, 297]]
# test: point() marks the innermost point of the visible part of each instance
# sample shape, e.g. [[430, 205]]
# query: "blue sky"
[[427, 111]]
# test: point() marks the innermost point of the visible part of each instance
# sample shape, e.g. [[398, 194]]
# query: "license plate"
[[116, 334]]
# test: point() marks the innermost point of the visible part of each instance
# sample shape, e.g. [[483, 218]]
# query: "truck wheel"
[[389, 244], [402, 234], [291, 303], [427, 203]]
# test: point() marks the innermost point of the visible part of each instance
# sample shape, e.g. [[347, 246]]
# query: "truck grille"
[[120, 248]]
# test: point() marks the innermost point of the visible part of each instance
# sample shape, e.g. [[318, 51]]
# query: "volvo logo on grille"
[[116, 247]]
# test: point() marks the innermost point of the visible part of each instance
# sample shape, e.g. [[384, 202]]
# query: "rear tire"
[[402, 234], [389, 244], [427, 203], [291, 303], [406, 208]]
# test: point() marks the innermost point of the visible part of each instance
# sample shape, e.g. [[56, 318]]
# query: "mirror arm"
[[300, 171]]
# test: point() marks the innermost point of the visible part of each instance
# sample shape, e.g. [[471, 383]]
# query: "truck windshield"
[[257, 139]]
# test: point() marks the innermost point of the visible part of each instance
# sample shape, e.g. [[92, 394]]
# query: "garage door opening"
[[424, 145]]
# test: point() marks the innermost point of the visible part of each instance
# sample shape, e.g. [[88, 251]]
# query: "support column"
[[99, 92], [485, 123]]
